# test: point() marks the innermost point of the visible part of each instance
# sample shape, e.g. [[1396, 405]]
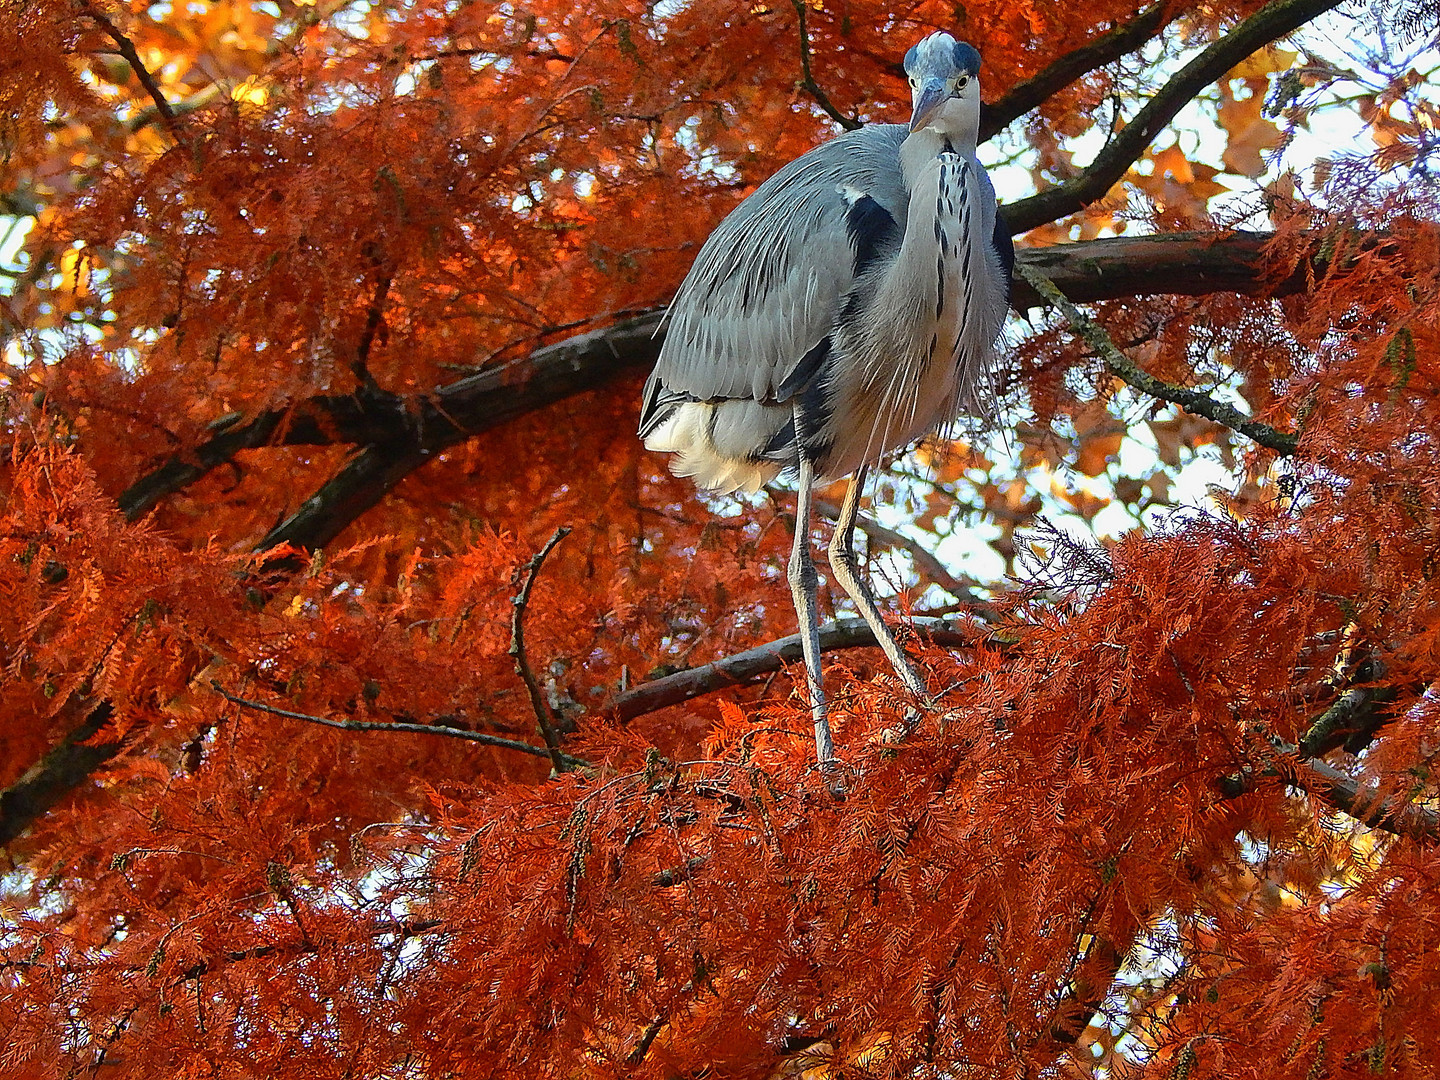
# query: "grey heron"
[[847, 307]]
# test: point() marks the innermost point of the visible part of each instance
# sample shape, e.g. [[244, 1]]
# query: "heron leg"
[[847, 572], [803, 581]]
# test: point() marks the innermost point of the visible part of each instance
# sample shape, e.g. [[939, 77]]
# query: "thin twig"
[[544, 719], [397, 726], [925, 561], [809, 83], [127, 50], [1117, 363]]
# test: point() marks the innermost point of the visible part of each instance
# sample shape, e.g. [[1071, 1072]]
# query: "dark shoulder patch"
[[1005, 248], [871, 230]]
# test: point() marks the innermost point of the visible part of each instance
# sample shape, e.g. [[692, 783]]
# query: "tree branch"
[[1117, 363], [1395, 814], [1271, 22], [1352, 714], [467, 407], [770, 657], [363, 482], [1105, 49], [808, 82], [1351, 722], [56, 775], [1191, 264], [411, 729], [543, 717], [127, 50]]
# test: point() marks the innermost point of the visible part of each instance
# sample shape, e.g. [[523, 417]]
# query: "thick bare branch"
[[56, 775], [467, 407], [362, 483], [1191, 264], [1354, 712], [401, 435], [1270, 23], [771, 657]]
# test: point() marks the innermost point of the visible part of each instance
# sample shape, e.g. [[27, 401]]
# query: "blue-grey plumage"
[[848, 306], [865, 282]]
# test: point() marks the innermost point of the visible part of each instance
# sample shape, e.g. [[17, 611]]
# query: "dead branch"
[[398, 726], [544, 719]]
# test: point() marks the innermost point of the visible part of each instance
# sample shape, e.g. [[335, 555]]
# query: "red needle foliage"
[[321, 749]]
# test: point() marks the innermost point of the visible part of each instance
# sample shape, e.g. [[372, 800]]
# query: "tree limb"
[[1270, 23], [1117, 363], [808, 82], [1354, 712], [1394, 814], [400, 434], [56, 775], [1105, 49], [467, 407], [772, 656], [1190, 264], [363, 482]]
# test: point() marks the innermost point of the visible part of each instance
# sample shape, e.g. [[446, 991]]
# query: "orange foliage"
[[1129, 839]]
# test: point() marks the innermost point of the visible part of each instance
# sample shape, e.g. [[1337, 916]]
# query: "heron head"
[[944, 85]]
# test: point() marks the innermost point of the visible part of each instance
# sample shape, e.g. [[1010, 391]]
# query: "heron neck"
[[922, 147]]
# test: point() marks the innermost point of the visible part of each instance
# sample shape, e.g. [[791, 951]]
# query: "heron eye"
[[962, 82]]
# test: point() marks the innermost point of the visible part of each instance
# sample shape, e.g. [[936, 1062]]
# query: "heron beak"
[[927, 103]]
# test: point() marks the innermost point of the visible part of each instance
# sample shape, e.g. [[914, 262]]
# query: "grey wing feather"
[[769, 282]]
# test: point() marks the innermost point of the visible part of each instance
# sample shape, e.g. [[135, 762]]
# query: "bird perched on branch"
[[847, 307]]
